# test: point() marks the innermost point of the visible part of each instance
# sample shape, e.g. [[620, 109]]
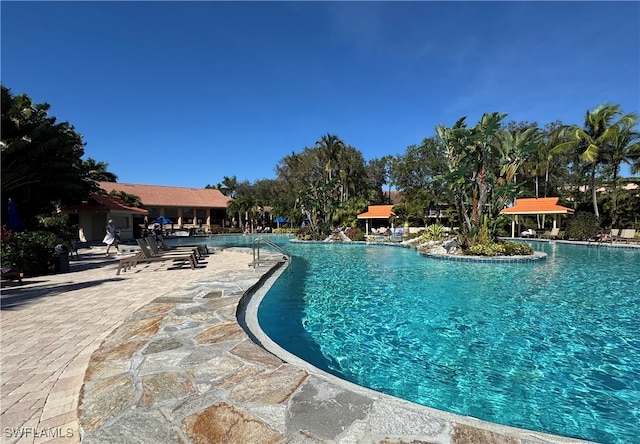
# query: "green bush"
[[517, 249], [582, 226], [285, 230], [486, 250], [500, 249], [355, 234], [30, 251], [58, 224]]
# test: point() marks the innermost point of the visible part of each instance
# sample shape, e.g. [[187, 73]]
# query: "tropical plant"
[[228, 186], [329, 149], [433, 233], [97, 171], [601, 131], [130, 200], [481, 169], [624, 149], [243, 206], [41, 160], [42, 166]]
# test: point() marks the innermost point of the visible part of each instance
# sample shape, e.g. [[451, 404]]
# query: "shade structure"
[[534, 207], [376, 212]]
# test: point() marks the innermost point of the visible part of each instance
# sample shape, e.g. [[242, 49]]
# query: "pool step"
[[278, 260]]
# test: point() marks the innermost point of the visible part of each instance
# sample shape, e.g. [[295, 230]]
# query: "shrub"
[[433, 232], [582, 226], [309, 233], [517, 249], [58, 224], [30, 251], [500, 249], [355, 234], [486, 250], [285, 230]]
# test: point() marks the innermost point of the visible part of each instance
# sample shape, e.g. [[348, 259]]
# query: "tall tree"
[[600, 130], [42, 165], [482, 165], [330, 149], [244, 207], [624, 149]]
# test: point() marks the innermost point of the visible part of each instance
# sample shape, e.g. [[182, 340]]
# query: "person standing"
[[111, 237]]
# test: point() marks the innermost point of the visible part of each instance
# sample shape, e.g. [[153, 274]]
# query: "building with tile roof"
[[535, 206], [186, 207], [378, 215], [93, 215]]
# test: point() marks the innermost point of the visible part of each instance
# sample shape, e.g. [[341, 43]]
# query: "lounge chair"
[[165, 249], [125, 263], [553, 234], [528, 233], [600, 238], [202, 248], [147, 255], [627, 234]]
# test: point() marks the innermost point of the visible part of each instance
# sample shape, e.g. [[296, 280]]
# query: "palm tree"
[[228, 186], [241, 205], [330, 151], [97, 171], [624, 149], [600, 131]]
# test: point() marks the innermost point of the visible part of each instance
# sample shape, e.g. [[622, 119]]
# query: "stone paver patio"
[[160, 356]]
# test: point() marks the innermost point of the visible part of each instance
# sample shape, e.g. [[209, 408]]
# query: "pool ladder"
[[257, 260]]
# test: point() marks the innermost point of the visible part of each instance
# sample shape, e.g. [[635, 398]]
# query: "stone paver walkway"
[[50, 326], [159, 356]]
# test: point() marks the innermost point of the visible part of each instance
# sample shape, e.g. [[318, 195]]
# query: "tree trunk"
[[594, 194], [614, 197], [483, 193]]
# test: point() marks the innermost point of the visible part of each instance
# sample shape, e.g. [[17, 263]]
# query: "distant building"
[[185, 207], [93, 215]]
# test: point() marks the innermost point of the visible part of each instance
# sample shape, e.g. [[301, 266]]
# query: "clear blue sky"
[[182, 94]]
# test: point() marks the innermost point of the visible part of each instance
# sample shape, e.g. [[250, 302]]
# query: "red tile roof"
[[103, 202], [377, 212], [546, 205], [165, 196]]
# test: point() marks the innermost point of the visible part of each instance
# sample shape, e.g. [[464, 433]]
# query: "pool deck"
[[161, 356]]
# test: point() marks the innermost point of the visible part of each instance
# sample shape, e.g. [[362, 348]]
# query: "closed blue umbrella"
[[14, 223]]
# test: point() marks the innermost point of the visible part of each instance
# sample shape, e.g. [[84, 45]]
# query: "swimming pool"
[[552, 346]]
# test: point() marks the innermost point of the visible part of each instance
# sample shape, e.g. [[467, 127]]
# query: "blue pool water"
[[552, 346]]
